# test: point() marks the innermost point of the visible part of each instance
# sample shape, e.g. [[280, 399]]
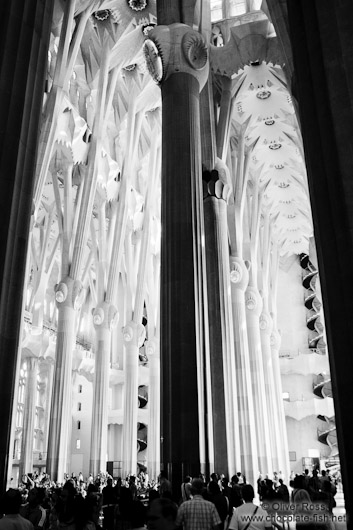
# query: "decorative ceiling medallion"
[[102, 15], [130, 67], [269, 121], [263, 94], [137, 5], [153, 60], [283, 185], [279, 166], [275, 145], [291, 216]]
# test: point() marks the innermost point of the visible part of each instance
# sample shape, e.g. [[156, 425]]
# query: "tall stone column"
[[321, 39], [217, 321], [48, 398], [29, 416], [67, 297], [283, 453], [226, 438], [266, 326], [105, 317], [239, 277], [133, 338], [253, 304], [182, 71], [25, 30], [154, 405]]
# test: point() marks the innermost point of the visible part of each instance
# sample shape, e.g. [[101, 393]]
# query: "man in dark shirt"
[[109, 502]]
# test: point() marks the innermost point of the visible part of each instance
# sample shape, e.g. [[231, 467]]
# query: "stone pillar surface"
[[25, 30], [217, 328], [321, 38], [253, 303], [183, 420], [283, 452], [29, 415], [154, 406], [239, 278], [133, 338], [104, 318], [67, 293], [266, 326]]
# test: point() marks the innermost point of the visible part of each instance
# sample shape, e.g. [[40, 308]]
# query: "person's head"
[[213, 488], [214, 477], [68, 491], [187, 479], [314, 472], [323, 473], [248, 493], [280, 481], [109, 481], [163, 475], [92, 488], [235, 479], [11, 501], [162, 515], [306, 471], [138, 514], [298, 482], [197, 486]]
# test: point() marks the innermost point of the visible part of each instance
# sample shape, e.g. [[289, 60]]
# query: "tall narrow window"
[[79, 406], [79, 424], [80, 389], [237, 7]]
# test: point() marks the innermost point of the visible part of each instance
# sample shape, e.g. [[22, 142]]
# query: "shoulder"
[[25, 523]]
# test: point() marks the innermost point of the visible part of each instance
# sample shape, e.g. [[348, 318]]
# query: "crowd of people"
[[216, 504]]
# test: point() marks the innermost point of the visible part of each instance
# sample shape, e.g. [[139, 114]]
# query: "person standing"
[[186, 489], [162, 514], [248, 514], [235, 498], [109, 503], [198, 514], [10, 506]]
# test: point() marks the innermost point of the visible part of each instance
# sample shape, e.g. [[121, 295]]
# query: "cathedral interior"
[[176, 237]]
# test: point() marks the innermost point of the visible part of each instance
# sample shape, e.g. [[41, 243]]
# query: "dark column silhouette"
[[24, 39], [321, 36]]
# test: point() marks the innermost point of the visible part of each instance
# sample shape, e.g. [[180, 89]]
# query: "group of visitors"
[[107, 504]]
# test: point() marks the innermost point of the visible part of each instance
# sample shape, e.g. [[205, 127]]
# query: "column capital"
[[275, 339], [266, 323], [239, 273], [134, 334], [105, 315], [174, 49], [69, 292], [152, 347], [214, 186], [253, 301]]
